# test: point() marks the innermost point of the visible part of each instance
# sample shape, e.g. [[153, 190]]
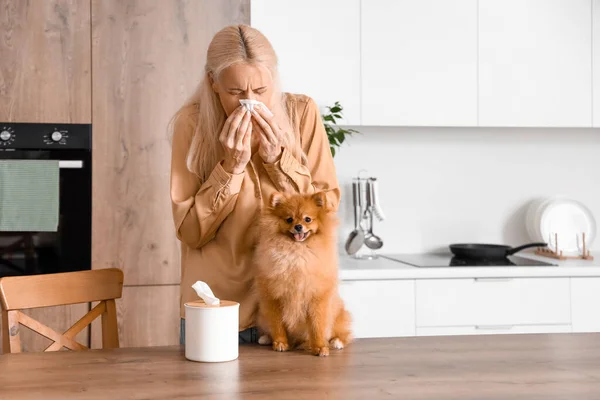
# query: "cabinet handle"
[[493, 279], [493, 327], [70, 164]]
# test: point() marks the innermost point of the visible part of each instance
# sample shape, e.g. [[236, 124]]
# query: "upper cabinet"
[[596, 62], [535, 63], [504, 63], [419, 62], [45, 61], [318, 46]]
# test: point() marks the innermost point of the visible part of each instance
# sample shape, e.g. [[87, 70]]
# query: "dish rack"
[[558, 254]]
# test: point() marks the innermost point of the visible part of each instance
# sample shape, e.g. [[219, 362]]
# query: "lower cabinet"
[[492, 330], [380, 308], [485, 304], [585, 301], [479, 306]]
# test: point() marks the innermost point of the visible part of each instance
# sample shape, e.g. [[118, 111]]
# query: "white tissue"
[[205, 293], [249, 104]]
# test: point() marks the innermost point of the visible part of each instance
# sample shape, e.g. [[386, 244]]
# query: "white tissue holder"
[[211, 331]]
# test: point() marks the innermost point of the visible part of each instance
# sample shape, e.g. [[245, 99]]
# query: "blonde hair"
[[235, 44]]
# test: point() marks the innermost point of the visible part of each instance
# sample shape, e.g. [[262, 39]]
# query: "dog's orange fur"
[[297, 281]]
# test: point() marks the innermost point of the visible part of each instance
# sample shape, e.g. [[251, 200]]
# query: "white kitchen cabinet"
[[472, 306], [585, 304], [383, 308], [487, 303], [492, 330], [318, 46], [419, 62], [535, 63], [596, 62]]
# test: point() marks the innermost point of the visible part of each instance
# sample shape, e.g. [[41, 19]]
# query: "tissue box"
[[211, 331]]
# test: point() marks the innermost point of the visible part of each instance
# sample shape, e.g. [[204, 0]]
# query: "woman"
[[226, 162]]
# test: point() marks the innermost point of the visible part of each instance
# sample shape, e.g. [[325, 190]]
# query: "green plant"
[[335, 134]]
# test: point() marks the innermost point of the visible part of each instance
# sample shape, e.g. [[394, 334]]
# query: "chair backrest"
[[25, 292]]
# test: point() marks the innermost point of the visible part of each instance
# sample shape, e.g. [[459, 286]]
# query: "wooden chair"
[[25, 292]]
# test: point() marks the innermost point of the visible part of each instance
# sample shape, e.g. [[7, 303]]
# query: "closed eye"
[[235, 91], [260, 90]]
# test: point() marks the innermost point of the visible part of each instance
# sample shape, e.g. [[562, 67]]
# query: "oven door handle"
[[70, 164]]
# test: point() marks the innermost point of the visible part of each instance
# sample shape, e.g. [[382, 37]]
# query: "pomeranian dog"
[[297, 276]]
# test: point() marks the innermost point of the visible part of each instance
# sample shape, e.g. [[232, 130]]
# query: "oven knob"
[[5, 135], [56, 136]]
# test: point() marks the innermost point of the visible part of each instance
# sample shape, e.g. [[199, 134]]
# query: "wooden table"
[[559, 366]]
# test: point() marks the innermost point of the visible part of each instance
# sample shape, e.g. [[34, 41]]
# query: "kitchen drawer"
[[380, 308], [585, 299], [492, 330], [493, 301]]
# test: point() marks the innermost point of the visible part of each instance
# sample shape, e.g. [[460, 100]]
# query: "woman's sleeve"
[[319, 174], [198, 208]]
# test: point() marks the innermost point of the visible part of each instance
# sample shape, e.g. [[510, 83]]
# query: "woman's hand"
[[271, 136], [236, 138]]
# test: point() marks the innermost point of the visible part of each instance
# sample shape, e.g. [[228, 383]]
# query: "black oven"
[[70, 247]]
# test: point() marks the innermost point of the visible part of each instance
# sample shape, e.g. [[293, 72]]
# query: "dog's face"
[[299, 216]]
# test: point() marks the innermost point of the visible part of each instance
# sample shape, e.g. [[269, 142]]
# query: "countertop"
[[556, 366], [383, 268]]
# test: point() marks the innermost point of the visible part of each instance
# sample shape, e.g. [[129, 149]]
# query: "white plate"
[[569, 219], [532, 220], [534, 217]]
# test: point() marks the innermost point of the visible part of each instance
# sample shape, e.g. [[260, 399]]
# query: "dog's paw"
[[336, 343], [265, 340], [280, 346], [321, 351]]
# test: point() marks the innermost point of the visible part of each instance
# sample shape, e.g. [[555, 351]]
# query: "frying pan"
[[488, 251]]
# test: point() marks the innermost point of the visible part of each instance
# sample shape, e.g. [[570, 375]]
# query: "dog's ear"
[[276, 199], [320, 199]]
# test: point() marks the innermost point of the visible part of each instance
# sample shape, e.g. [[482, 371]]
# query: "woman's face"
[[243, 81]]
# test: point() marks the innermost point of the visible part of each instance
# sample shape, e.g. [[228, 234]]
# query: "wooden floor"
[[508, 367]]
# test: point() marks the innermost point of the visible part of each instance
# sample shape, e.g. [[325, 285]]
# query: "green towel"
[[29, 195]]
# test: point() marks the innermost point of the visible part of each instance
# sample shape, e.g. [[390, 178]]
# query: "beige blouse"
[[212, 218]]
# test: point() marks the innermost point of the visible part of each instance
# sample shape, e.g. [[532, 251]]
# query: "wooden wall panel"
[[147, 315], [58, 318], [148, 57], [45, 61]]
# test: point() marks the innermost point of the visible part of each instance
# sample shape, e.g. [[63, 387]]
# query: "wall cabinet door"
[[535, 63], [380, 308], [318, 46], [142, 62], [419, 62], [45, 61]]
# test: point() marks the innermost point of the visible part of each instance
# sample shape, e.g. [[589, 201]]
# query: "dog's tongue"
[[298, 236]]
